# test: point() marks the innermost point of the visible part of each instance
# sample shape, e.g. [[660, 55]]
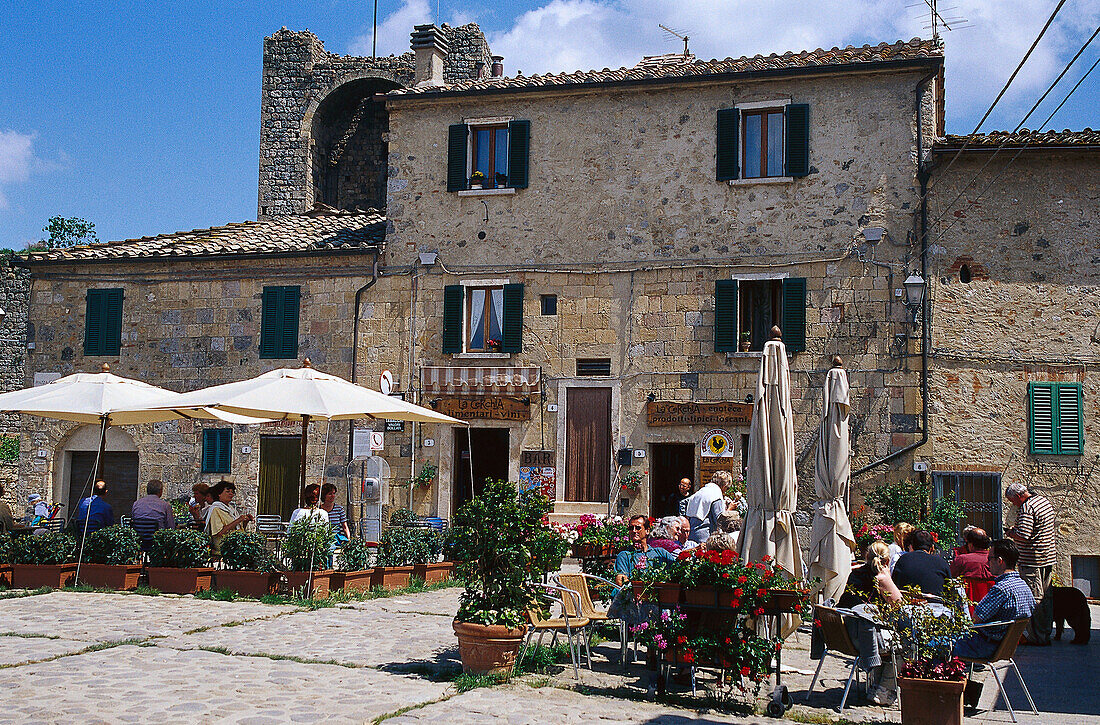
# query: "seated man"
[[1008, 600], [973, 563], [685, 533], [640, 555], [94, 513], [919, 567], [152, 506]]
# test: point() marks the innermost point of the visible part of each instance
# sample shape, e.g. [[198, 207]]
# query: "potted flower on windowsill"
[[477, 180], [631, 481], [179, 561], [249, 566], [745, 342], [308, 548], [44, 560], [492, 345], [111, 556], [355, 573]]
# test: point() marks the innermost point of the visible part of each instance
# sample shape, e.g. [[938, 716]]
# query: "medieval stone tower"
[[323, 133]]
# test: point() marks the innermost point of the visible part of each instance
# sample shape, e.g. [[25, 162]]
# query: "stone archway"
[[74, 459]]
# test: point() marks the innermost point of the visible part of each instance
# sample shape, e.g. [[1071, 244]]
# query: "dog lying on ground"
[[1071, 606]]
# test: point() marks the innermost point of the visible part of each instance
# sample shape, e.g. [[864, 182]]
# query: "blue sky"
[[144, 117]]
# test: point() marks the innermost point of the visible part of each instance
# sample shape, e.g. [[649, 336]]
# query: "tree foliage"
[[67, 232]]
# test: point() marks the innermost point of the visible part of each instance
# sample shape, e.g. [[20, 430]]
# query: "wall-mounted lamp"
[[914, 294], [428, 258], [749, 398], [651, 397], [873, 235]]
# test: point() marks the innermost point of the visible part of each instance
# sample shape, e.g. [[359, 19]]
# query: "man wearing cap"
[[1034, 536]]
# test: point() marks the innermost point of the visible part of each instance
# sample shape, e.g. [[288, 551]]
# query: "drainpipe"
[[922, 177], [355, 361]]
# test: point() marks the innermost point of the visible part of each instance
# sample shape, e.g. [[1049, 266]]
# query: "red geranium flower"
[[735, 602], [759, 610], [742, 579], [737, 592], [761, 592], [745, 671]]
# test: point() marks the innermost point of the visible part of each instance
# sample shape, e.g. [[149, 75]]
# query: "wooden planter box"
[[391, 577], [120, 577], [246, 583], [433, 573], [931, 702], [668, 593], [314, 585], [33, 576], [172, 580], [701, 596], [352, 581]]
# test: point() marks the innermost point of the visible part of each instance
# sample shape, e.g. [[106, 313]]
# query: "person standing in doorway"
[[1034, 536], [706, 505], [685, 494]]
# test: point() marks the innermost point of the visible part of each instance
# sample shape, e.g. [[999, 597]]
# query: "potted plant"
[[745, 342], [492, 345], [426, 477], [249, 566], [492, 539], [600, 536], [400, 548], [308, 547], [631, 481], [44, 560], [355, 571], [111, 558], [5, 559], [477, 180], [179, 561]]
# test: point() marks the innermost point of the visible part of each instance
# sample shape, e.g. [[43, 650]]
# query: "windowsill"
[[752, 354], [481, 355], [507, 191], [760, 180]]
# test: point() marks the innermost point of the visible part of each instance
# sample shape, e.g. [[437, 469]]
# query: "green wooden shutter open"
[[1071, 434], [225, 449], [794, 314], [216, 447], [1041, 414], [725, 315], [112, 322], [457, 139], [452, 319], [269, 322], [288, 329], [726, 163], [519, 153], [94, 313], [512, 337], [798, 139]]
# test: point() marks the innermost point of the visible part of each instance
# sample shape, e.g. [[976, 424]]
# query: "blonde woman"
[[868, 585], [901, 530], [871, 582]]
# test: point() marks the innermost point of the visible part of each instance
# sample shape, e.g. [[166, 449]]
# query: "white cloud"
[[394, 30], [16, 160]]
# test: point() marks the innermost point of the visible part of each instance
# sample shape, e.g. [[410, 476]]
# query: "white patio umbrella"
[[303, 394], [831, 538]]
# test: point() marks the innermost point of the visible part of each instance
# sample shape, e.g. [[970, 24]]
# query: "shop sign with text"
[[667, 412]]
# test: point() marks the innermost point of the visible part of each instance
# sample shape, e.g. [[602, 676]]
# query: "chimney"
[[430, 46], [498, 66]]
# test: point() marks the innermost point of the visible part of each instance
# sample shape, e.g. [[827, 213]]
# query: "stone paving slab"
[[156, 684], [441, 602], [112, 617], [17, 650], [367, 637]]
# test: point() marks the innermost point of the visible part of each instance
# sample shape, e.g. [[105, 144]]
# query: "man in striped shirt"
[[1034, 535]]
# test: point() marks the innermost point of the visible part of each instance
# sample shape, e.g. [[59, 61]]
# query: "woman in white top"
[[311, 495]]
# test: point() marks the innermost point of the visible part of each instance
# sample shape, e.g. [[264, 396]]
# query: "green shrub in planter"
[[179, 548], [355, 556], [112, 545], [405, 547], [5, 548], [247, 551], [51, 548], [402, 517], [308, 544]]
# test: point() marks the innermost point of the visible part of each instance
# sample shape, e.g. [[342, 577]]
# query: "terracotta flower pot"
[[391, 577], [432, 573], [487, 649], [33, 576], [110, 576], [314, 587], [931, 702], [358, 581], [783, 600], [181, 581], [642, 591], [581, 551], [668, 593], [703, 595], [246, 583]]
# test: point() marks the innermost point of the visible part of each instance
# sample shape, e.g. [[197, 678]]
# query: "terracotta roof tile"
[[1023, 137], [666, 67], [318, 230]]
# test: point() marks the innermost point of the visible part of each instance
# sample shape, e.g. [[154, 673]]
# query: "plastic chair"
[[838, 643], [569, 623], [145, 529], [1006, 650], [579, 584], [976, 589]]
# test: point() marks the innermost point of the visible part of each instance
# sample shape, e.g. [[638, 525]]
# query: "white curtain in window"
[[498, 314], [477, 318]]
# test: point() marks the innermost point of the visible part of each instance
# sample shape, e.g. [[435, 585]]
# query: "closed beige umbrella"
[[831, 538]]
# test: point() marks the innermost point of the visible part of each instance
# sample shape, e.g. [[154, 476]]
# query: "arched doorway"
[[348, 156], [74, 463]]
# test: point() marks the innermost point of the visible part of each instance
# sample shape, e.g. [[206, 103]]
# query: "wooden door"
[[119, 470], [280, 475], [588, 444], [669, 462], [490, 462]]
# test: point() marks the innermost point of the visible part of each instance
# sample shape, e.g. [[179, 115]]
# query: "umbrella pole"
[[105, 420], [305, 426], [470, 458]]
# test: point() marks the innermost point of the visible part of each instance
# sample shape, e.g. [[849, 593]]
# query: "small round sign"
[[385, 382]]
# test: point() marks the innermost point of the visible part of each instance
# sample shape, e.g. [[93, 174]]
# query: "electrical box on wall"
[[920, 466], [625, 457]]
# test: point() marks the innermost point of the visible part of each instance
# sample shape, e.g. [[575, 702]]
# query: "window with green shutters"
[[279, 322], [725, 315], [759, 143], [747, 309], [1055, 419], [217, 445], [500, 153], [483, 319], [103, 322]]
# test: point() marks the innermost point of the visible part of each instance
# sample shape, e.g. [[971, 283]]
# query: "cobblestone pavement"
[[90, 657]]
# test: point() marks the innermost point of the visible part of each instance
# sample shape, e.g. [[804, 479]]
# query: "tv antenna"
[[675, 34], [948, 18]]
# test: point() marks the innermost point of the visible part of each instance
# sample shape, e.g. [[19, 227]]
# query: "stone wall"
[[13, 351], [1030, 312]]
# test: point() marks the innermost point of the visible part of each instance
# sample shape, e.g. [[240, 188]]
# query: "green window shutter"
[[727, 143], [269, 322], [225, 449], [512, 338], [794, 314], [288, 329], [1071, 434], [725, 315], [519, 152], [216, 448], [1041, 415], [457, 139], [452, 319], [112, 327], [94, 314], [798, 139]]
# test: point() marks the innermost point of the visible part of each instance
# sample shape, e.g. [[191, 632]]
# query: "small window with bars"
[[594, 367], [1055, 424], [977, 493]]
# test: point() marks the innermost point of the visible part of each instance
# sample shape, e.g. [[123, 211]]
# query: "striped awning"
[[480, 380]]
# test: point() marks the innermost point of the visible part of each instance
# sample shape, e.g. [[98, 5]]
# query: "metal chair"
[[579, 584], [273, 529], [838, 643], [55, 524], [1006, 650], [569, 623], [145, 529]]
